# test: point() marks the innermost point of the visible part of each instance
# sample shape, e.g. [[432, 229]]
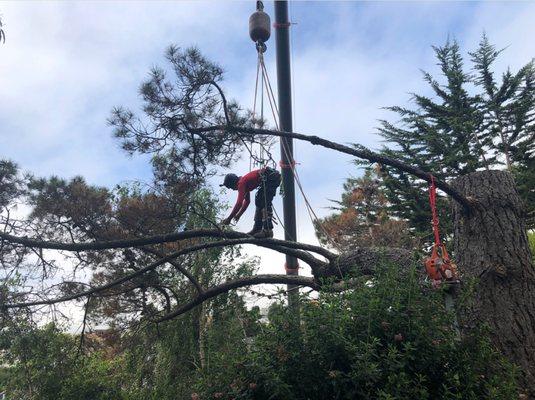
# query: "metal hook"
[[261, 47]]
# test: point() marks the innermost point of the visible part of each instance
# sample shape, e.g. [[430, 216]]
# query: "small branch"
[[238, 283], [224, 99], [178, 267], [82, 334]]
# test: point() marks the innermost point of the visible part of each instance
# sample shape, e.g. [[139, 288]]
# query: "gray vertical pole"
[[282, 38]]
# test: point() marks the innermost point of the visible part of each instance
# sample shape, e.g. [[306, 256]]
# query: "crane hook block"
[[259, 26]]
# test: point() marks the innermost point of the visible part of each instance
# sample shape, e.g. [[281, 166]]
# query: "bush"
[[385, 339], [43, 363]]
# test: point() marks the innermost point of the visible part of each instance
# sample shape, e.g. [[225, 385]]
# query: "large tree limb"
[[355, 263], [359, 262], [360, 152], [159, 239], [315, 264]]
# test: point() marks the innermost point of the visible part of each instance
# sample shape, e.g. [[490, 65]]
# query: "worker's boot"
[[257, 222], [267, 225]]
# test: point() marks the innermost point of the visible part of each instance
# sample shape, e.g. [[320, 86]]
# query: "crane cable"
[[261, 72], [275, 111]]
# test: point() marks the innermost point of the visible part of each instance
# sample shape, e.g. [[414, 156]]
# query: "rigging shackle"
[[259, 27]]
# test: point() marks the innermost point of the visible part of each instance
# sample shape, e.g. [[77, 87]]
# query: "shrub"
[[384, 339]]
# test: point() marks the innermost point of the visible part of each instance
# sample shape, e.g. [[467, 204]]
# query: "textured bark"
[[491, 245]]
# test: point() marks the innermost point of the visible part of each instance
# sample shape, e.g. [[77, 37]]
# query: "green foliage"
[[525, 181], [531, 239], [383, 340], [168, 363], [43, 363], [471, 121], [10, 181], [177, 99]]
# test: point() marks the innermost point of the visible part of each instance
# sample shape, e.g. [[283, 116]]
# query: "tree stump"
[[491, 245]]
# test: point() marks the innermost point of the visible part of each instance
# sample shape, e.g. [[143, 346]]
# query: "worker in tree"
[[267, 180]]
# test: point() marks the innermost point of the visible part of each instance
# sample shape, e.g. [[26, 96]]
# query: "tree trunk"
[[491, 245]]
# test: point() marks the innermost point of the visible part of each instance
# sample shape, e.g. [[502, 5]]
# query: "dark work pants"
[[271, 179]]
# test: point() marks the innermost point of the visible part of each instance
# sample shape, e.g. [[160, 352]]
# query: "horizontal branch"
[[360, 153], [159, 239], [232, 242], [239, 283]]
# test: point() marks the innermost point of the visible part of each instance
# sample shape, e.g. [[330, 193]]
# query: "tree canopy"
[[473, 120]]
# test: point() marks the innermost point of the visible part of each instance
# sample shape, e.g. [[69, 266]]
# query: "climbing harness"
[[439, 265]]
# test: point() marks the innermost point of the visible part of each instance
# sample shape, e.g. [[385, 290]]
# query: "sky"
[[66, 64]]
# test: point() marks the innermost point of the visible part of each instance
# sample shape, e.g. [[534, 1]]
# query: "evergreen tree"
[[469, 123], [509, 118], [362, 218]]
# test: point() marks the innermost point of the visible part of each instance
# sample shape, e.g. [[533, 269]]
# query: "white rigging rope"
[[275, 112]]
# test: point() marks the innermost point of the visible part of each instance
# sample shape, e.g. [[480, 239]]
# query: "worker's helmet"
[[231, 181]]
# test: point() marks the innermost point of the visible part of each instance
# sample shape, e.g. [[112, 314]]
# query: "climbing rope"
[[275, 112], [263, 157], [439, 266], [259, 32]]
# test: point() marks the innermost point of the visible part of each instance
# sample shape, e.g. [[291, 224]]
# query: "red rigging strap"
[[439, 266], [433, 203], [291, 165], [277, 25], [291, 270]]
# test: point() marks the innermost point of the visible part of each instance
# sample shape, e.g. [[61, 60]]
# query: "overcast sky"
[[66, 64]]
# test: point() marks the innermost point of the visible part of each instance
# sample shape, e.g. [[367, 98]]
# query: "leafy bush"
[[43, 363], [385, 339]]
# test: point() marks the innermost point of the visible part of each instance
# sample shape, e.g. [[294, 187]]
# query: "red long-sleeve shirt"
[[246, 184]]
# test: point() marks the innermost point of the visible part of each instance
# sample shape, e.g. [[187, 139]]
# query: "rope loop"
[[433, 204], [278, 25], [284, 165], [261, 47]]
